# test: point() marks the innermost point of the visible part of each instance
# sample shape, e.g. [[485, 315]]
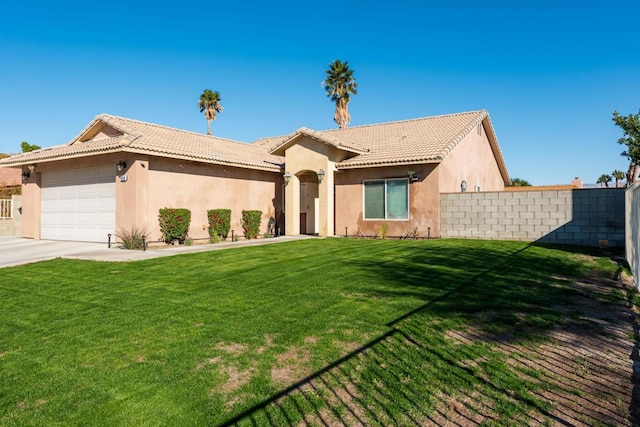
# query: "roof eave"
[[404, 162]]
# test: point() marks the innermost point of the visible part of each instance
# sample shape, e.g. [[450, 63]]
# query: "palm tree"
[[618, 175], [210, 103], [339, 84], [604, 179]]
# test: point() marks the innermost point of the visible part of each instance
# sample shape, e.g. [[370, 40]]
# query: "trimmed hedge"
[[219, 223], [251, 223], [174, 224]]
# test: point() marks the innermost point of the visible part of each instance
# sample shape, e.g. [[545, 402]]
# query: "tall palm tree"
[[339, 85], [618, 175], [604, 179], [210, 103]]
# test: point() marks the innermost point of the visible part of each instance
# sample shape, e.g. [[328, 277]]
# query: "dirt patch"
[[291, 366], [268, 343], [231, 348], [207, 362]]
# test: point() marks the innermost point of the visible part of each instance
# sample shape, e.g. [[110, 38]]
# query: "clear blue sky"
[[549, 72]]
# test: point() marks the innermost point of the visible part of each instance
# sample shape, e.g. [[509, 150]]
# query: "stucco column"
[[325, 193], [292, 207]]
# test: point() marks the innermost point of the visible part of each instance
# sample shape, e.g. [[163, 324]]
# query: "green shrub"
[[219, 223], [132, 238], [174, 224], [251, 223]]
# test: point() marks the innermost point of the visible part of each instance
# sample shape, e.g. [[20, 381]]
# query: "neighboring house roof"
[[107, 134], [10, 177]]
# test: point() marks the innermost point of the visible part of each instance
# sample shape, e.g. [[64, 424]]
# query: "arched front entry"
[[309, 203]]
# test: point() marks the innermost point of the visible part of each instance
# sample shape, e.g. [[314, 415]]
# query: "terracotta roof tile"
[[148, 138], [423, 140], [324, 137]]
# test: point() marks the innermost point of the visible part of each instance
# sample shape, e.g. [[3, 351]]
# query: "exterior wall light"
[[287, 177], [121, 165], [320, 174], [463, 186], [25, 176]]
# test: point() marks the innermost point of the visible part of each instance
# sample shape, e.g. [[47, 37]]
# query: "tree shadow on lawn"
[[481, 349]]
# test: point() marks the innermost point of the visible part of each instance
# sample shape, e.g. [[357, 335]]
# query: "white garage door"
[[78, 204]]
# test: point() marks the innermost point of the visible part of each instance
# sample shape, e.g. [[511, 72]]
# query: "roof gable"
[[321, 137]]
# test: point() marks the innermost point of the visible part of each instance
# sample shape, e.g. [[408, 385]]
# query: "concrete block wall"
[[586, 217], [13, 226]]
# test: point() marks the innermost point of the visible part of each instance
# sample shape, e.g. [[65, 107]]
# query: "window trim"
[[408, 218]]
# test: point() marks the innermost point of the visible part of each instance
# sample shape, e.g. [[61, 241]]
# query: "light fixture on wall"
[[121, 165], [25, 176], [463, 186], [320, 174], [287, 177], [412, 175]]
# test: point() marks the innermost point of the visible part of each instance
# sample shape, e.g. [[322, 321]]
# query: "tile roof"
[[10, 176], [324, 137], [152, 139], [423, 140]]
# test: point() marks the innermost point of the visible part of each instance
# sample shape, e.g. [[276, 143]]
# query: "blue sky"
[[550, 73]]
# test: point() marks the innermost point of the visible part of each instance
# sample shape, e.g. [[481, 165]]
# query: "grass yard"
[[324, 332]]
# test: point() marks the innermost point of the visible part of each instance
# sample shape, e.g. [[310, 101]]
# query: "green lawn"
[[278, 333]]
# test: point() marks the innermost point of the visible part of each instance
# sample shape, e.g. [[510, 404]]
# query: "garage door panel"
[[78, 204]]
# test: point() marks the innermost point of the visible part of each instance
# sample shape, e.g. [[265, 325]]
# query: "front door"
[[303, 208]]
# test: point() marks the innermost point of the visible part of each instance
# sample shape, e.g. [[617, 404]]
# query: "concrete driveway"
[[18, 250]]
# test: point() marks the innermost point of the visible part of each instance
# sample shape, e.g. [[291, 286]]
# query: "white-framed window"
[[386, 199]]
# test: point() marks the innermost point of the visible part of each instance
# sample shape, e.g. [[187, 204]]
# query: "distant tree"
[[209, 103], [604, 179], [4, 155], [517, 182], [26, 147], [630, 126], [339, 84], [618, 175]]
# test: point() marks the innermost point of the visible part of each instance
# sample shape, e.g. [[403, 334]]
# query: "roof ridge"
[[407, 120], [102, 116]]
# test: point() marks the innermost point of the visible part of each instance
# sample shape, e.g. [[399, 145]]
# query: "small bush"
[[219, 223], [383, 231], [251, 223], [132, 238], [174, 224]]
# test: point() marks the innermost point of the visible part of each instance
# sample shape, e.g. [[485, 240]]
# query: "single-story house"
[[118, 173]]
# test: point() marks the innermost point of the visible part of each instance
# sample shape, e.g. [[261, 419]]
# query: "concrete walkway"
[[18, 250]]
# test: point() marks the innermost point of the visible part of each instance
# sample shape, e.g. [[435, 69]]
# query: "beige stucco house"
[[117, 174]]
